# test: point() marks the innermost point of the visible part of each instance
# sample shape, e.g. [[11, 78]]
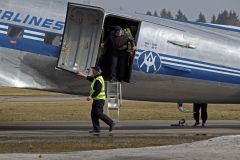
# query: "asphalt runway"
[[139, 127], [220, 148], [124, 128]]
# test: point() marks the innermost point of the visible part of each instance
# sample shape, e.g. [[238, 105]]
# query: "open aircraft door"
[[81, 39]]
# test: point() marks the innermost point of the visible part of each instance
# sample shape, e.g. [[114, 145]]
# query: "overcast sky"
[[191, 8]]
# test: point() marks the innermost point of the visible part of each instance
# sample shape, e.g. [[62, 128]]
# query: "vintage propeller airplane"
[[43, 44]]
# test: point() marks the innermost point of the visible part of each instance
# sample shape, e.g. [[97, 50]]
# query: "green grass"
[[131, 110], [66, 144], [80, 110]]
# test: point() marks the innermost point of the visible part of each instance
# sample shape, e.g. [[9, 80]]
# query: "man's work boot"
[[196, 124], [94, 131], [111, 127]]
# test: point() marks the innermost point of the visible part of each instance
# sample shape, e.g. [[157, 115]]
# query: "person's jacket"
[[120, 43]]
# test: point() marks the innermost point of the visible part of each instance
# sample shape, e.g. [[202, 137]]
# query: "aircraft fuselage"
[[175, 61]]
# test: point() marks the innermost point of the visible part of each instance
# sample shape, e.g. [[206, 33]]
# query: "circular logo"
[[149, 62]]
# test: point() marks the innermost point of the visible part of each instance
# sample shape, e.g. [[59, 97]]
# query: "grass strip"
[[68, 144]]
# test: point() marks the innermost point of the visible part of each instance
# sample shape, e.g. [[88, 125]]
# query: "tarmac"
[[220, 148], [139, 127], [225, 146]]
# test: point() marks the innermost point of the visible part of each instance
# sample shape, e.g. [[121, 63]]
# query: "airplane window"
[[15, 32], [52, 39]]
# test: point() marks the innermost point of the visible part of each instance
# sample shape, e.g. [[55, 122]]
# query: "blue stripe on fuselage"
[[34, 35], [203, 67], [196, 71], [3, 29], [191, 60]]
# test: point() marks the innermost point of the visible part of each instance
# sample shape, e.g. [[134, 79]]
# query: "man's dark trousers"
[[196, 109], [97, 112], [119, 65]]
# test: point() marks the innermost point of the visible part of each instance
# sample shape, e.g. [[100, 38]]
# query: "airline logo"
[[31, 20], [149, 62]]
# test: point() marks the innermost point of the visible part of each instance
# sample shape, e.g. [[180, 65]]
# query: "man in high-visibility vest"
[[97, 93], [130, 47], [130, 30]]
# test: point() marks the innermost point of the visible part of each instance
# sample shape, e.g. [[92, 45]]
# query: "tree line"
[[225, 17]]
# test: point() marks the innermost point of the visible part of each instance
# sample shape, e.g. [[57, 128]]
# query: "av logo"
[[149, 62]]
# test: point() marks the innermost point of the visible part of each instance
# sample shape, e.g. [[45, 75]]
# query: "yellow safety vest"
[[101, 95], [129, 49]]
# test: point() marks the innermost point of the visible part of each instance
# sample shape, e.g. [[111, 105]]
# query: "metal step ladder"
[[114, 96]]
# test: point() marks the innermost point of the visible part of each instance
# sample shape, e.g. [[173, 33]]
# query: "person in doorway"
[[118, 43], [132, 30], [97, 93], [204, 116]]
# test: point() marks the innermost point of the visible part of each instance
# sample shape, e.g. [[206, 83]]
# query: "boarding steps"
[[114, 96]]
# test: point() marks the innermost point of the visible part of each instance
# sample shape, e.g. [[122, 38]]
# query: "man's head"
[[118, 30], [96, 70]]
